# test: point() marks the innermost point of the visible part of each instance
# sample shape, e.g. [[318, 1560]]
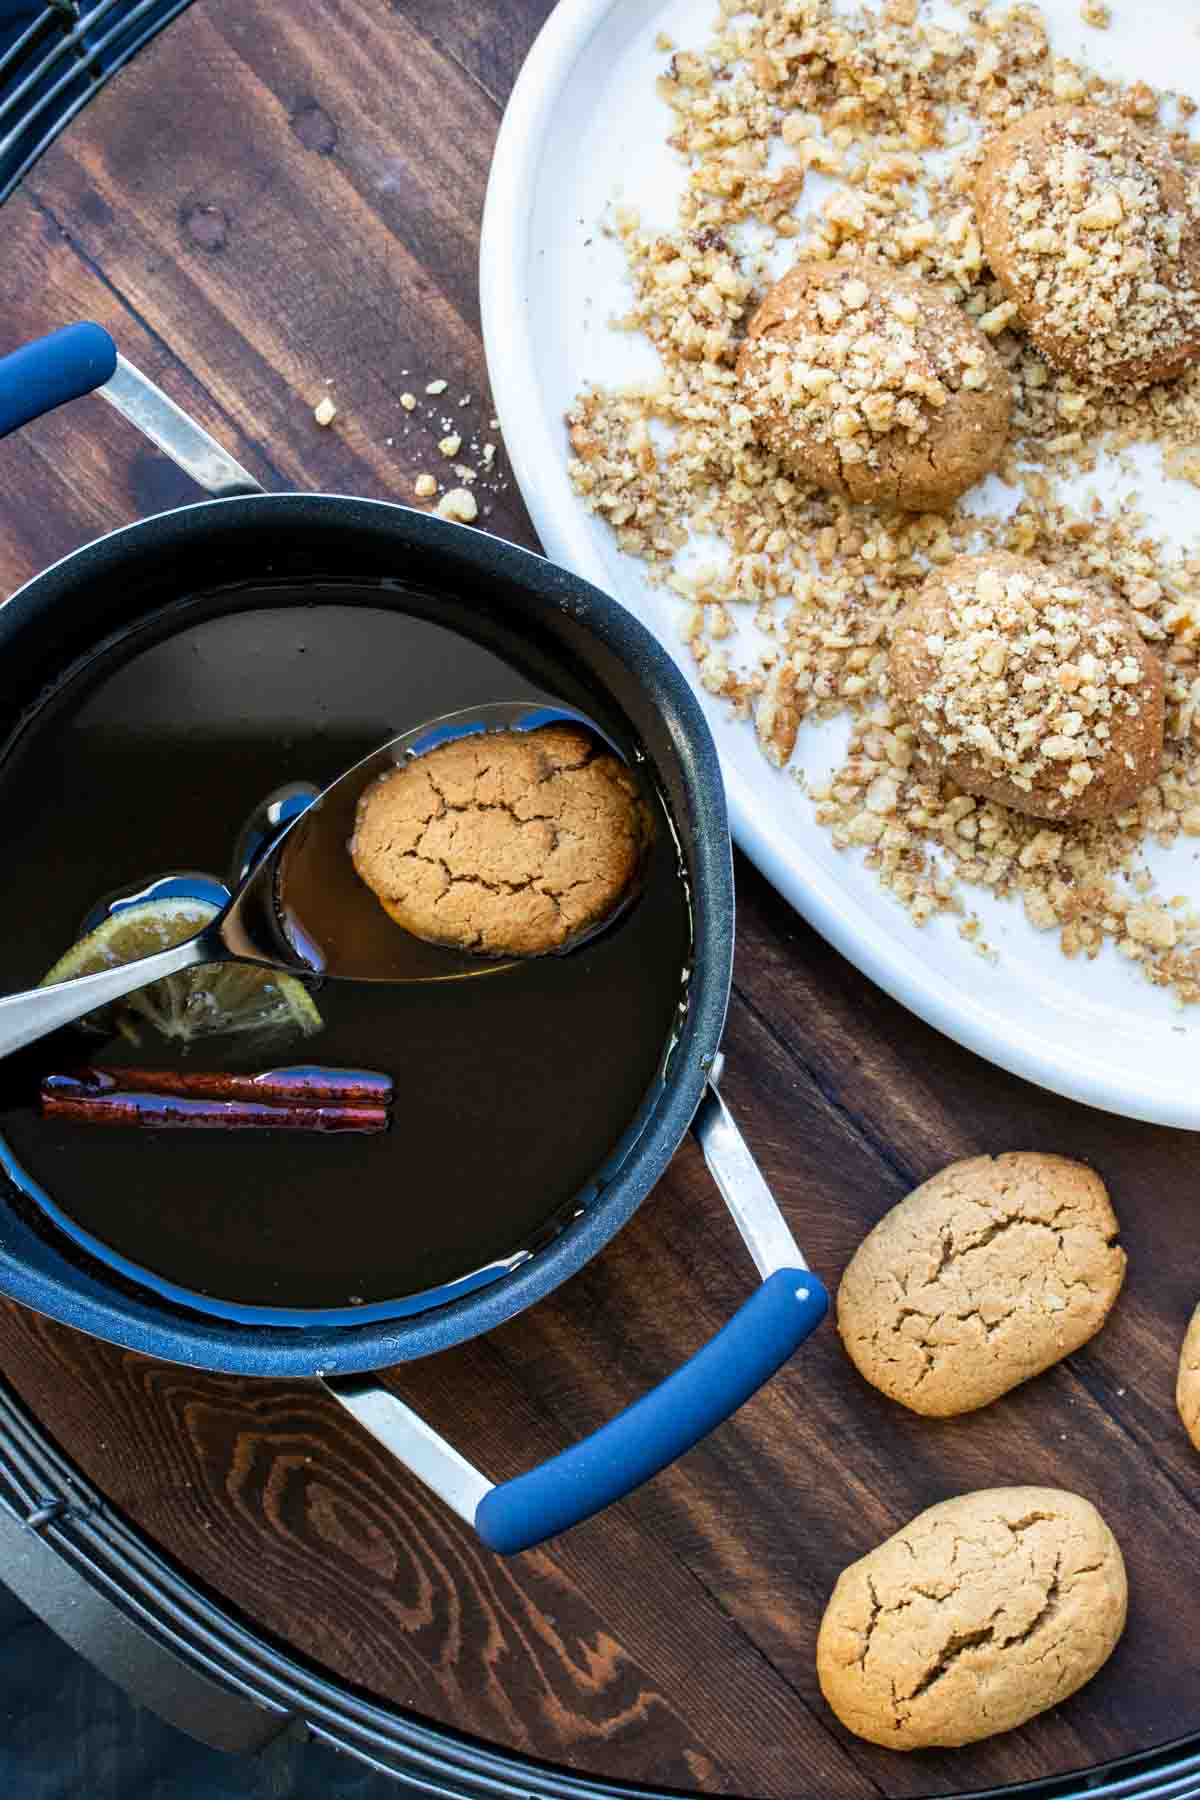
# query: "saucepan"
[[242, 534]]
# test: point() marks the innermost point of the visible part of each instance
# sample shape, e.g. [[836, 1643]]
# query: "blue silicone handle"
[[51, 370], [656, 1429]]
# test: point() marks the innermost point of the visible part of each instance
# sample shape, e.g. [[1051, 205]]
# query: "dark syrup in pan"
[[516, 1094]]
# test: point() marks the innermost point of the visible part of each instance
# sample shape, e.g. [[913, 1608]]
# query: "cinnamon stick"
[[159, 1112], [300, 1099]]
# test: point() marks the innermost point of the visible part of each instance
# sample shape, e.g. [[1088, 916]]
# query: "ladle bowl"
[[257, 927]]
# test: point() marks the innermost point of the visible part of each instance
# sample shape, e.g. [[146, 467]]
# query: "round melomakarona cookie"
[[973, 1618], [1187, 1391], [507, 843], [874, 385], [985, 1275], [1092, 226], [1029, 687]]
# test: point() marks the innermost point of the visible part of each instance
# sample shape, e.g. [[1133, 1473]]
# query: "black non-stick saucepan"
[[242, 535]]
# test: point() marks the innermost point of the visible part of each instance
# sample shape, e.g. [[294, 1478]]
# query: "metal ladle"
[[255, 927]]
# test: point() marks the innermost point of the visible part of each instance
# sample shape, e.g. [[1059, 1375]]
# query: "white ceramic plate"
[[584, 127]]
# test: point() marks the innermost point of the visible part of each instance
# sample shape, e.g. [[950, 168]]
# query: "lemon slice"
[[218, 1000]]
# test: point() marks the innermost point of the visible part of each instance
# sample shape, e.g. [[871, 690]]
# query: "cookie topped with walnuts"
[[1029, 687], [873, 385], [1092, 226]]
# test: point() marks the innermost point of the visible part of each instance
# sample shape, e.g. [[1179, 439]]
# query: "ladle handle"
[[663, 1424], [26, 1017]]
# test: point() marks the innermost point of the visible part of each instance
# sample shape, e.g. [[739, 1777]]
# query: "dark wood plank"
[[83, 470], [489, 42], [290, 1511], [333, 254], [272, 204]]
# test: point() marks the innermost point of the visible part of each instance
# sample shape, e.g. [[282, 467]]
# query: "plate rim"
[[898, 969]]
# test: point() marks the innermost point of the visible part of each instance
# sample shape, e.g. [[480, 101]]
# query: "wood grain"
[[279, 202]]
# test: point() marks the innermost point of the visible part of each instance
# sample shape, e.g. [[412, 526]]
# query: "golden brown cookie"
[[873, 385], [508, 843], [1187, 1391], [1092, 226], [1029, 687], [986, 1274], [978, 1615]]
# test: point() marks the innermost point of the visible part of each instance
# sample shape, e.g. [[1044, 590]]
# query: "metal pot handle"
[[82, 359], [663, 1424]]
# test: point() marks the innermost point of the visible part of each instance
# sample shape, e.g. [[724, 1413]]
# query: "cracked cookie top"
[[985, 1275], [976, 1616], [873, 385], [506, 843]]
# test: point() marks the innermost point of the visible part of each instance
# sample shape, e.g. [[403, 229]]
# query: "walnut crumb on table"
[[325, 412], [875, 100], [458, 504]]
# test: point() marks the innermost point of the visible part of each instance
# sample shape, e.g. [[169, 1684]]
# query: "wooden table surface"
[[271, 199]]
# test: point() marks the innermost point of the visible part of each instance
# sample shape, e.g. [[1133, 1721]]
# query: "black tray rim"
[[104, 1554], [142, 19]]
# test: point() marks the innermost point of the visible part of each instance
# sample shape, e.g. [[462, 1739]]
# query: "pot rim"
[[34, 1272]]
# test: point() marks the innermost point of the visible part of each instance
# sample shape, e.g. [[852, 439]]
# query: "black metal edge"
[[34, 1274], [28, 153], [107, 1555], [98, 1630]]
